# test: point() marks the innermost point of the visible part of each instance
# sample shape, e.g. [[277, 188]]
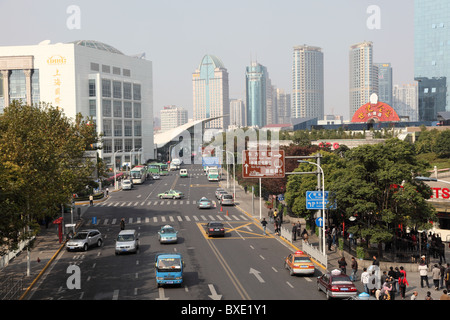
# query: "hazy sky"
[[176, 34]]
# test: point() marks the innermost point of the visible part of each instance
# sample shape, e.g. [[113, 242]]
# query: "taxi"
[[299, 263]]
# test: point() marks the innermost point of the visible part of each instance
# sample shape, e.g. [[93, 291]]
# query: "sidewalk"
[[244, 202]]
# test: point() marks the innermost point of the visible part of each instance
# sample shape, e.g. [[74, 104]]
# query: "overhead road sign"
[[263, 164]]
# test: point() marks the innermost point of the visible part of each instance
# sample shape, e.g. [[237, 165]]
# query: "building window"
[[106, 69], [107, 130], [17, 85], [127, 110], [106, 88], [137, 110], [126, 72], [106, 105], [92, 91], [136, 91], [128, 128], [138, 143], [137, 128], [116, 70], [107, 146], [92, 108], [35, 91], [95, 66], [117, 89], [117, 128], [117, 106], [127, 91], [118, 145], [128, 145]]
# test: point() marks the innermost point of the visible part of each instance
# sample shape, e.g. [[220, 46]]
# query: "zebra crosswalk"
[[168, 219], [159, 202]]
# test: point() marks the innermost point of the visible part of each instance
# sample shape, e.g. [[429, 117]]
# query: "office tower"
[[385, 83], [363, 75], [405, 99], [237, 113], [91, 78], [173, 117], [307, 82], [257, 83], [283, 106], [432, 56], [210, 92]]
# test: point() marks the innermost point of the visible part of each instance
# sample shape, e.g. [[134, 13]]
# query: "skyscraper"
[[307, 82], [432, 56], [210, 92], [385, 83], [405, 99], [283, 106], [237, 113], [257, 83], [363, 75]]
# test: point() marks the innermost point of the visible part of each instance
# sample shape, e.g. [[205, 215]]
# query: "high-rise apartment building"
[[385, 84], [405, 101], [432, 56], [172, 117], [211, 92], [91, 78], [363, 75], [257, 83], [307, 82], [237, 113], [282, 106]]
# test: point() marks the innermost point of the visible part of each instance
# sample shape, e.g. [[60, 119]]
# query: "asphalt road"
[[244, 265]]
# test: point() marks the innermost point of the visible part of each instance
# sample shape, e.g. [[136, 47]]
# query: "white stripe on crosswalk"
[[171, 218], [195, 218], [114, 221], [187, 218], [163, 219], [130, 221], [138, 220], [155, 219], [227, 217], [203, 218], [147, 219], [236, 218], [219, 217], [179, 218], [105, 222]]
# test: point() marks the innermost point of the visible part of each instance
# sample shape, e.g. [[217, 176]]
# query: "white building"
[[307, 82], [363, 75], [91, 78], [172, 117], [237, 113], [406, 101]]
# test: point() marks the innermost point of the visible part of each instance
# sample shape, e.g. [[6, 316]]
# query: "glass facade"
[[256, 86], [432, 56]]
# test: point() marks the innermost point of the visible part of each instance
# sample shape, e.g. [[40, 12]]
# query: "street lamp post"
[[114, 161], [323, 201]]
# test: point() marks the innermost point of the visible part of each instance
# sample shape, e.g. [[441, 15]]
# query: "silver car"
[[127, 241], [227, 199], [84, 239]]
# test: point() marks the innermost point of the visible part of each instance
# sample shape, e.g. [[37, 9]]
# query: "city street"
[[243, 265]]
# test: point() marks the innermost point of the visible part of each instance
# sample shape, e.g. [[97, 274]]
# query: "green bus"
[[158, 168]]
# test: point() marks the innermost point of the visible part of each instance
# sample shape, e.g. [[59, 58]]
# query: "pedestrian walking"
[[442, 268], [264, 225], [107, 191], [305, 235], [343, 265], [447, 277], [402, 283], [91, 200], [122, 224], [333, 235], [436, 275], [329, 241], [354, 266], [294, 232], [365, 276], [423, 272], [270, 214], [276, 226]]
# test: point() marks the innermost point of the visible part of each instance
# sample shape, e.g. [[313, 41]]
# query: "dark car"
[[336, 284], [214, 228]]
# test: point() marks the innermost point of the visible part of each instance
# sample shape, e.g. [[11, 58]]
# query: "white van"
[[183, 173], [127, 185], [127, 241]]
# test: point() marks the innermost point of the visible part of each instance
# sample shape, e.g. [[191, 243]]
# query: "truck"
[[213, 174], [169, 269]]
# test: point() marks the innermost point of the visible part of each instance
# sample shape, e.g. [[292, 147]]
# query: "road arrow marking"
[[161, 295], [214, 294], [256, 274]]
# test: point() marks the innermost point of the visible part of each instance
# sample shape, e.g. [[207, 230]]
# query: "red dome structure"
[[375, 111]]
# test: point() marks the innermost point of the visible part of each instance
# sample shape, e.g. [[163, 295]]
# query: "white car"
[[127, 185], [127, 241]]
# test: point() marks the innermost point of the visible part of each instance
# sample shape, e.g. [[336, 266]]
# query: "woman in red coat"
[[402, 282]]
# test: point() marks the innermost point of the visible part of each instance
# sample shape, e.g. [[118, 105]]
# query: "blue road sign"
[[319, 222], [210, 161], [280, 197], [314, 200], [94, 220]]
